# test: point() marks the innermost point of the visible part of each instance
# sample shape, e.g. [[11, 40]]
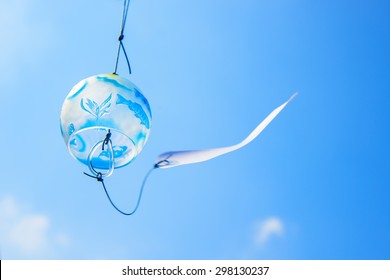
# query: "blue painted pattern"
[[84, 84], [95, 109], [136, 108]]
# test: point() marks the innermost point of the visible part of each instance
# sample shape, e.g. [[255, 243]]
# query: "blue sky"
[[314, 185]]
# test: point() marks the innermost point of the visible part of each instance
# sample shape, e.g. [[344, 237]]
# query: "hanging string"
[[99, 178], [107, 140], [139, 195], [126, 4]]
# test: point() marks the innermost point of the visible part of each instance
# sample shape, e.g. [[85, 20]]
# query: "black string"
[[127, 59], [139, 196], [126, 4], [107, 139], [99, 178]]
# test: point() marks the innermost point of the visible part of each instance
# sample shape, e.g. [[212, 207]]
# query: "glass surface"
[[97, 104]]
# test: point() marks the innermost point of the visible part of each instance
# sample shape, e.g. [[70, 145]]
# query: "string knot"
[[161, 163], [120, 38], [98, 177]]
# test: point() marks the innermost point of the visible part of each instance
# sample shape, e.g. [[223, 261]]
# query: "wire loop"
[[126, 4], [107, 141]]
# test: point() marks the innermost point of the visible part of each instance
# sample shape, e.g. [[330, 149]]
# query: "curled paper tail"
[[176, 158]]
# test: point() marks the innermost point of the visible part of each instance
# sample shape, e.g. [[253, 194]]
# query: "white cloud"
[[24, 234], [267, 229], [30, 233], [8, 207]]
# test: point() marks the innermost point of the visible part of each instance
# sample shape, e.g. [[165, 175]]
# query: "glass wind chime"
[[105, 122]]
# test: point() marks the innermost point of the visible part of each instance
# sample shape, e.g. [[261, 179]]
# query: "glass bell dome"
[[104, 104]]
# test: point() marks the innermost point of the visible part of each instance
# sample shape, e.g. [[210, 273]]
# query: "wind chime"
[[105, 122]]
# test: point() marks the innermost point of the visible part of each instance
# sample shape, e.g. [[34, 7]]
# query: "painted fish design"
[[136, 108]]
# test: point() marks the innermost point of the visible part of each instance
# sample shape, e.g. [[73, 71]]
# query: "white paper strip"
[[176, 158]]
